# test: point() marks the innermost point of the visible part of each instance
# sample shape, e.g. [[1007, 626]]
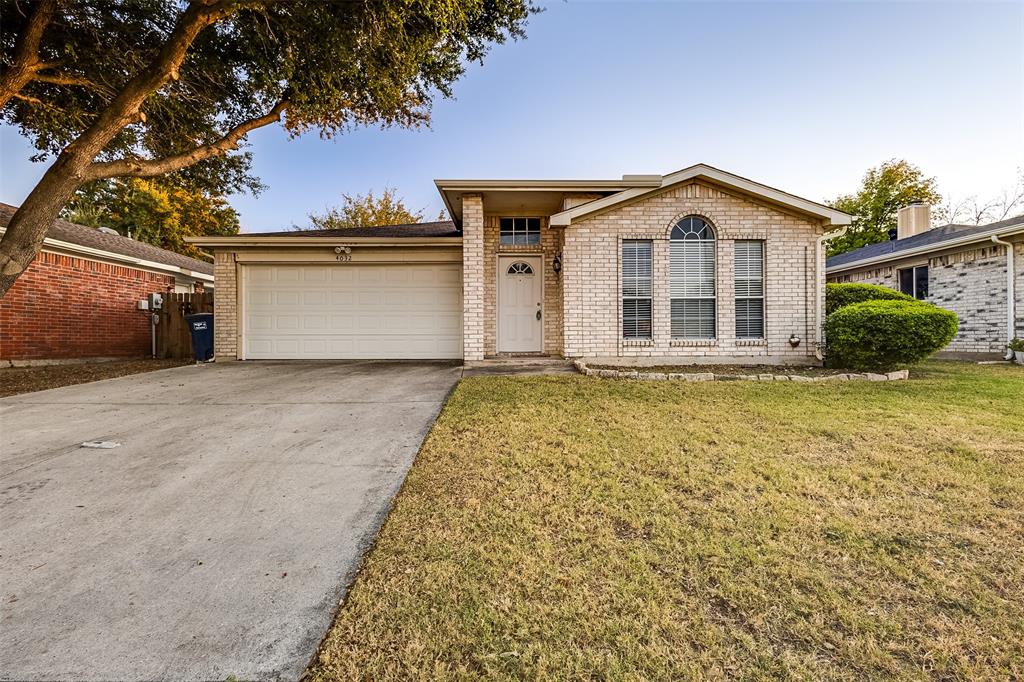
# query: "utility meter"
[[156, 302]]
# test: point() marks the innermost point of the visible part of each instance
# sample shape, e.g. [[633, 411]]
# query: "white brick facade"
[[473, 277], [971, 282], [225, 306], [582, 225], [592, 286]]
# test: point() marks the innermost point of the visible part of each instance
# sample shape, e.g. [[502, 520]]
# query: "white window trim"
[[913, 279], [501, 233], [762, 297], [635, 340], [714, 298]]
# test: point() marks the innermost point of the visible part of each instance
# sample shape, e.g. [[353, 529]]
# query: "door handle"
[[538, 314]]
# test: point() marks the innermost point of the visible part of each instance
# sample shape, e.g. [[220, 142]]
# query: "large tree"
[[883, 192], [154, 212], [365, 210], [144, 88]]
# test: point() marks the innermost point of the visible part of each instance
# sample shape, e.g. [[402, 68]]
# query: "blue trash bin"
[[201, 327]]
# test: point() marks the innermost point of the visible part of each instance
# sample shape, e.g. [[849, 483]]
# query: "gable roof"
[[934, 239], [442, 228], [91, 238], [715, 175]]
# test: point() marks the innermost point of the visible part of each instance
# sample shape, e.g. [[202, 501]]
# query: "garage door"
[[352, 311]]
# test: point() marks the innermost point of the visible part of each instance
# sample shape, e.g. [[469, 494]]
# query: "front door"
[[520, 304]]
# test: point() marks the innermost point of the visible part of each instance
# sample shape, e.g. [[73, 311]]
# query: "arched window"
[[520, 268], [692, 279]]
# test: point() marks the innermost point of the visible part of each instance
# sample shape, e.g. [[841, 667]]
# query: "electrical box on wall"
[[144, 304], [156, 301]]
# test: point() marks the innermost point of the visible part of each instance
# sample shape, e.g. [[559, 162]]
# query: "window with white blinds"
[[636, 289], [692, 279], [749, 267]]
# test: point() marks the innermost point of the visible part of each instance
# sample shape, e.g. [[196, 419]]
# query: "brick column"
[[472, 277], [225, 306]]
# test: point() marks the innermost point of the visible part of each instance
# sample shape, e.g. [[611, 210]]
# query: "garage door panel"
[[353, 311]]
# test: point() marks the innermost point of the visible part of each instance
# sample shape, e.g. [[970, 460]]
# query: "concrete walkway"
[[218, 537], [515, 365]]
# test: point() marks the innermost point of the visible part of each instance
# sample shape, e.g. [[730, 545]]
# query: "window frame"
[[526, 233], [631, 290], [914, 280], [706, 258], [747, 298]]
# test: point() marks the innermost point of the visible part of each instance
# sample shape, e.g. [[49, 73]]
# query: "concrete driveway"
[[219, 537]]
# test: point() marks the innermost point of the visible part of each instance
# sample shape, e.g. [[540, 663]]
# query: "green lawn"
[[567, 527]]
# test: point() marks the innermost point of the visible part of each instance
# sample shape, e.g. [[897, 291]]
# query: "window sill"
[[751, 342], [693, 342]]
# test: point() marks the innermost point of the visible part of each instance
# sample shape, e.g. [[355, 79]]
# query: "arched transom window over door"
[[692, 279]]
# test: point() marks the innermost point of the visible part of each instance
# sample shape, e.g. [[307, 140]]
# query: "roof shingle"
[[443, 228], [92, 238], [936, 237]]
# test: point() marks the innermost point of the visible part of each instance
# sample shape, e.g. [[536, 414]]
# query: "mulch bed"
[[15, 380]]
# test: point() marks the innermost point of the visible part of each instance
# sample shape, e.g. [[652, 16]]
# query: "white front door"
[[520, 304]]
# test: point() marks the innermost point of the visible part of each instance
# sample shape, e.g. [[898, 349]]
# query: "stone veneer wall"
[[591, 274], [550, 246], [225, 306], [971, 283]]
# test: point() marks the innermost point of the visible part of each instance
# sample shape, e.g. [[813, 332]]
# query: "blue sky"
[[801, 96]]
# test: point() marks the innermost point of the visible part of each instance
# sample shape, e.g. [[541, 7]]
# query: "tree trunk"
[[27, 229]]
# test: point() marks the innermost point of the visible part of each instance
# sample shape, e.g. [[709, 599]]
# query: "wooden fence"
[[173, 339]]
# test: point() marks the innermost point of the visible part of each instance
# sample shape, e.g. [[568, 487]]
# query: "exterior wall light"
[[556, 264]]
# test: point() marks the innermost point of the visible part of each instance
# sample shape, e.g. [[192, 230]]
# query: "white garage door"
[[352, 311]]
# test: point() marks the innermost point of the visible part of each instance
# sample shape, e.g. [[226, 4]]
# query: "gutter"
[[819, 246], [1011, 317], [55, 245], [256, 240], [927, 248]]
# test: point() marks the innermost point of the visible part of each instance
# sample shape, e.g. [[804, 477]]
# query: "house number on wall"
[[343, 253]]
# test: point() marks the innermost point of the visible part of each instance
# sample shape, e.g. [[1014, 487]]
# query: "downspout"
[[819, 262], [1011, 317]]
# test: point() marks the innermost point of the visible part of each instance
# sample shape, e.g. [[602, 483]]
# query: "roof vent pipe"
[[913, 219]]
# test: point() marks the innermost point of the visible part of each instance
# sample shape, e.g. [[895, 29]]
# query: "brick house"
[[969, 269], [696, 266], [79, 297]]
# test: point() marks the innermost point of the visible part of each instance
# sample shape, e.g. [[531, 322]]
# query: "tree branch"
[[26, 52], [70, 79], [28, 98], [144, 168]]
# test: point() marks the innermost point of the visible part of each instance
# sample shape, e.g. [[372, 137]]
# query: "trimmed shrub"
[[882, 335], [840, 295]]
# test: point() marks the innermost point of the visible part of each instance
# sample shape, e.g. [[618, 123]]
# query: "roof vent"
[[913, 219], [109, 230]]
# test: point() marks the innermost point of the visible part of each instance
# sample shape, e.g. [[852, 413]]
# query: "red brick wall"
[[67, 307]]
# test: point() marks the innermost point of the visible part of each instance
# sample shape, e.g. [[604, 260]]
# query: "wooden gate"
[[173, 339]]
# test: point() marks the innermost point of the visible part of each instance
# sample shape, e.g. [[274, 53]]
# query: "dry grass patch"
[[565, 527]]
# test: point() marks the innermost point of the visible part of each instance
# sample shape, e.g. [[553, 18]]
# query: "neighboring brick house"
[[79, 297], [963, 268], [696, 266]]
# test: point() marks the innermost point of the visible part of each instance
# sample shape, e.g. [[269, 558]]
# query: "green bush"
[[882, 335], [841, 295]]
